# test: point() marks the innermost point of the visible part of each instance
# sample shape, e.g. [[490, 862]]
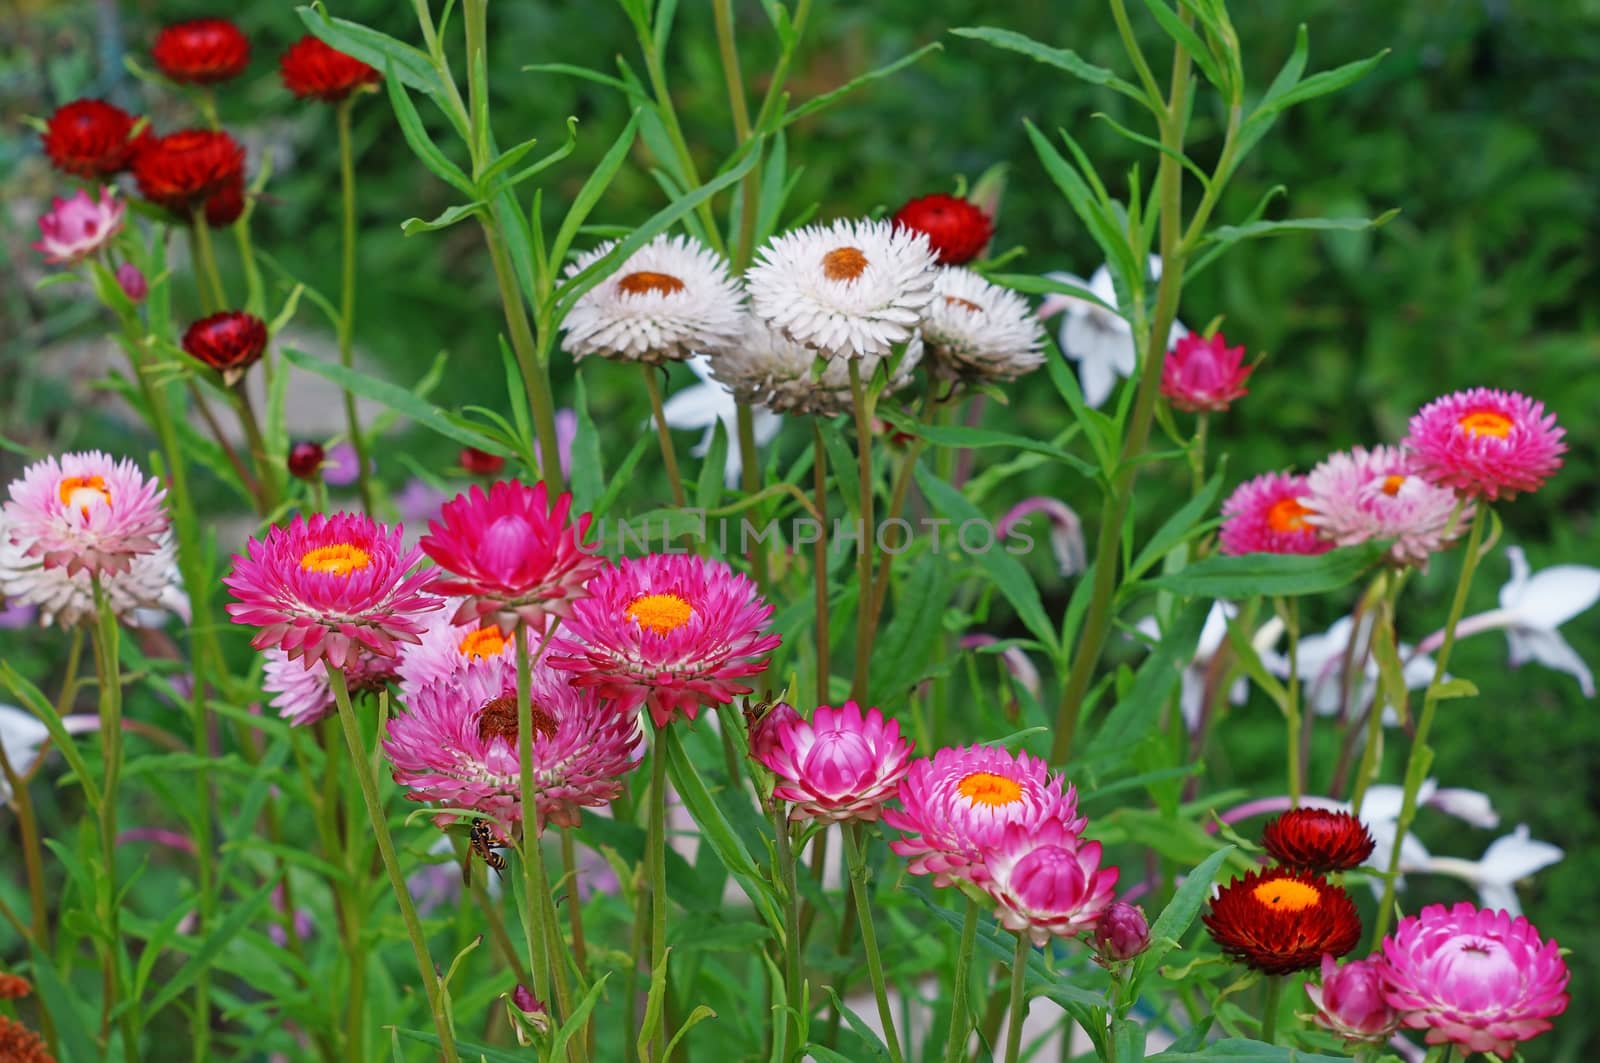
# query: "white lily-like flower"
[[1320, 661], [1197, 673], [1538, 605], [1506, 862], [1100, 340], [708, 402], [21, 734], [1380, 813]]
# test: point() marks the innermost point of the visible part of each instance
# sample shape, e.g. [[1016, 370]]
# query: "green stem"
[[750, 484], [788, 880], [550, 924], [819, 559], [569, 868], [347, 297], [1269, 1009], [955, 1046], [1197, 453], [680, 146], [108, 672], [669, 455], [380, 828], [1382, 628], [856, 857], [266, 472], [535, 373], [532, 856], [864, 548], [1019, 1007], [657, 839], [212, 296]]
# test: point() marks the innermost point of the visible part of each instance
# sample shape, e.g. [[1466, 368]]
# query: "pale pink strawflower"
[[1121, 933], [76, 228], [1486, 442], [1477, 979], [1202, 373], [1265, 516], [303, 695], [456, 745], [1350, 1000], [444, 649], [1047, 881], [139, 596], [329, 588], [842, 765], [1358, 495], [132, 282], [669, 631], [86, 511], [957, 805], [511, 552]]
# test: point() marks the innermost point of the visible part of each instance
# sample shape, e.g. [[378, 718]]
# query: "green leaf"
[[72, 1026], [589, 195], [578, 1019], [41, 707], [905, 646], [410, 65], [1177, 529], [708, 491], [1103, 226], [1190, 41], [1060, 58], [1175, 920], [446, 218], [422, 145], [1319, 84], [1282, 574], [817, 103], [588, 470], [396, 398], [579, 72], [977, 438], [468, 1049], [240, 914], [1133, 718], [1230, 234]]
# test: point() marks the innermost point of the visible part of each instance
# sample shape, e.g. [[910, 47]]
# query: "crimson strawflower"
[[957, 229], [202, 51], [1280, 921], [229, 342], [224, 206], [312, 69], [1317, 839], [90, 139], [181, 170]]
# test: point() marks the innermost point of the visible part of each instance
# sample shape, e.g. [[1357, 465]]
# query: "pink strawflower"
[[1202, 373], [73, 229], [1046, 880], [140, 596], [456, 744], [512, 554], [445, 649], [1358, 495], [668, 631], [86, 511], [958, 804], [1486, 442], [1265, 516], [842, 765], [329, 588], [1477, 979], [132, 282], [1350, 1000], [303, 696]]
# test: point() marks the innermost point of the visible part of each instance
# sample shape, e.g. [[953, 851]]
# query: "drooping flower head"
[[73, 229], [668, 631], [445, 649], [957, 229], [312, 69], [766, 368], [456, 744], [303, 696], [1486, 442], [979, 331], [229, 342], [668, 300], [202, 51], [328, 588], [958, 803], [1046, 880], [181, 170], [90, 139], [511, 552], [1266, 516], [1350, 1001], [1202, 373], [852, 289], [1359, 495], [1317, 839], [1280, 921], [1480, 980], [843, 764], [86, 512]]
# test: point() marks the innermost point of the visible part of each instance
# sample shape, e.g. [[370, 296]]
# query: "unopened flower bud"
[[132, 282], [529, 1015], [1122, 933], [765, 727], [1351, 1003], [305, 459], [481, 462]]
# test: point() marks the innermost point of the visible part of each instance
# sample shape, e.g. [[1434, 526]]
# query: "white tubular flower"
[[1507, 861], [21, 735], [1098, 339], [975, 330], [710, 402], [1538, 605]]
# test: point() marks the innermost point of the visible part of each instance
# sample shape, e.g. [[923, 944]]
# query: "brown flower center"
[[1486, 423], [498, 719], [661, 613], [81, 492], [966, 304], [339, 559], [1287, 894], [484, 642], [1287, 515], [645, 281], [844, 264], [987, 788]]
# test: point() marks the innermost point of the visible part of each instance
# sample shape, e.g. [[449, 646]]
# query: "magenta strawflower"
[[303, 696], [1350, 1000], [1265, 516], [1358, 495], [1047, 880], [456, 744], [1485, 442], [86, 511], [330, 587], [958, 804], [75, 228], [511, 553], [842, 765], [668, 631], [1202, 373], [1480, 980], [445, 649]]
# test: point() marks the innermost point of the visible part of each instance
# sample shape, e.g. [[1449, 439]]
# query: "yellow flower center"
[[498, 719], [966, 304], [1287, 894], [844, 264], [987, 788], [1392, 485], [484, 642], [339, 559], [1486, 423], [81, 492], [645, 281], [661, 613], [1287, 515]]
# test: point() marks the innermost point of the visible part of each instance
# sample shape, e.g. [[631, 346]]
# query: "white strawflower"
[[852, 289], [670, 298], [767, 369], [978, 330]]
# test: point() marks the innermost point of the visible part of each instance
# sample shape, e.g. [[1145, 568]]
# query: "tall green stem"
[[535, 373], [955, 1045], [347, 297], [1019, 1005], [532, 856], [819, 557], [856, 857], [212, 295], [788, 879], [669, 455], [862, 404], [657, 840], [1290, 610], [1269, 1009]]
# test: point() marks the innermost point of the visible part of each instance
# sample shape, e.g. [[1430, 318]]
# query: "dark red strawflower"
[[90, 139], [313, 70], [18, 1044], [182, 170], [224, 206], [305, 460], [201, 52], [1280, 921], [957, 229], [1318, 840], [229, 342], [481, 462], [14, 987]]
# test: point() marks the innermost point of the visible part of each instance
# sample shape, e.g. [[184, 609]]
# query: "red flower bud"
[[305, 459], [956, 229], [313, 70], [229, 342], [201, 52], [481, 462]]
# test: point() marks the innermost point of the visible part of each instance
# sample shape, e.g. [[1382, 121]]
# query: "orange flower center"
[[987, 788], [498, 719], [1392, 485], [661, 613], [339, 559], [1486, 423], [1287, 894], [966, 304], [484, 642], [645, 281], [81, 492], [1287, 515], [844, 264]]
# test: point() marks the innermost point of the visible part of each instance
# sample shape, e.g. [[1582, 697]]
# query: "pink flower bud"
[[765, 727], [1350, 1000], [132, 282], [1204, 373], [534, 1016], [1122, 933]]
